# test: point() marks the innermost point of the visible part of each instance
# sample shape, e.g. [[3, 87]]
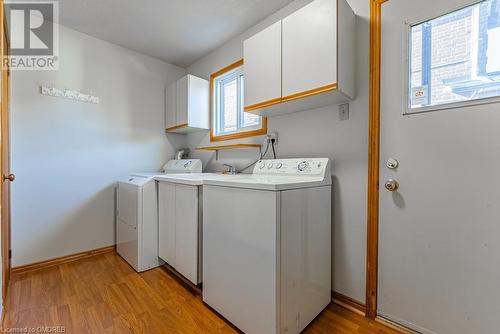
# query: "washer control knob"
[[302, 166], [270, 165], [261, 164], [279, 165]]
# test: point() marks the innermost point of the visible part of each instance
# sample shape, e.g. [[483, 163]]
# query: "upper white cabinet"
[[171, 105], [262, 67], [311, 55], [310, 48], [187, 105]]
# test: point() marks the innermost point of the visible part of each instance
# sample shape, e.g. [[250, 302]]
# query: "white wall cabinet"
[[171, 106], [310, 48], [179, 228], [263, 65], [187, 105], [311, 55]]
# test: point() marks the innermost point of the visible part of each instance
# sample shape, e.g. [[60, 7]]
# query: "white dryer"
[[137, 214], [267, 245]]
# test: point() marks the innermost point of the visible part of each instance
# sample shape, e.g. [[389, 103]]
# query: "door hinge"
[[10, 253]]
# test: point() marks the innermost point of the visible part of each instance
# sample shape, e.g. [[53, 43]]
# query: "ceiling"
[[176, 31]]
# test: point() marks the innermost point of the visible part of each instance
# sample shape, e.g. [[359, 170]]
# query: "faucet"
[[228, 169]]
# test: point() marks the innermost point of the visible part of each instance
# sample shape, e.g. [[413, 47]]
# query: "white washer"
[[180, 211], [137, 215], [267, 245]]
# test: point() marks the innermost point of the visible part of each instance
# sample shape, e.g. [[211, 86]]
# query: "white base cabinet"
[[187, 105], [180, 228], [267, 256], [302, 62]]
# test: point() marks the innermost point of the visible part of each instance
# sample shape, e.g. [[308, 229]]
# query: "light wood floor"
[[103, 294]]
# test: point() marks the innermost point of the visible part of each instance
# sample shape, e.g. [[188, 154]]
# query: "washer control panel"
[[183, 166], [309, 167]]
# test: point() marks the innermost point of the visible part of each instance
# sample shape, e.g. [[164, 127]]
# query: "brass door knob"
[[10, 177], [391, 185]]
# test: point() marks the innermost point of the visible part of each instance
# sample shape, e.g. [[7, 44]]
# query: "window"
[[229, 121], [455, 58]]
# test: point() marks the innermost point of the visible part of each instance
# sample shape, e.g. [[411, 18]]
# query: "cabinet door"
[[166, 226], [310, 47], [171, 105], [199, 113], [182, 101], [262, 69], [186, 231]]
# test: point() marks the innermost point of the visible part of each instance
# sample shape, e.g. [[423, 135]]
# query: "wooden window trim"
[[236, 135]]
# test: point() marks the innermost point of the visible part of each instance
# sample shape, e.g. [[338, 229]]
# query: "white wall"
[[67, 154], [317, 133]]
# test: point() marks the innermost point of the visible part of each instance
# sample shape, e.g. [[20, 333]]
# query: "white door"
[[439, 237]]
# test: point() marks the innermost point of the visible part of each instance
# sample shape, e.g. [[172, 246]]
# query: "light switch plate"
[[344, 112]]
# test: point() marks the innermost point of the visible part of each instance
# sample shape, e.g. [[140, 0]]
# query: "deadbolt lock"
[[392, 163]]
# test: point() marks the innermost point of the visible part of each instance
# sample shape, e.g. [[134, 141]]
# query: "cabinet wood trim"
[[296, 96], [180, 126], [237, 135], [263, 104], [314, 91]]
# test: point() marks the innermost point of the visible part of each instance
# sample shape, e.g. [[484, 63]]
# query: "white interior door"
[[439, 237]]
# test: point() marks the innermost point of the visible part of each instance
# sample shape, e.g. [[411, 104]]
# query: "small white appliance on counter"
[[137, 214], [180, 222], [267, 245]]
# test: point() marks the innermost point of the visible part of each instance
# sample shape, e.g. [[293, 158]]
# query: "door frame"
[[373, 159], [5, 226]]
